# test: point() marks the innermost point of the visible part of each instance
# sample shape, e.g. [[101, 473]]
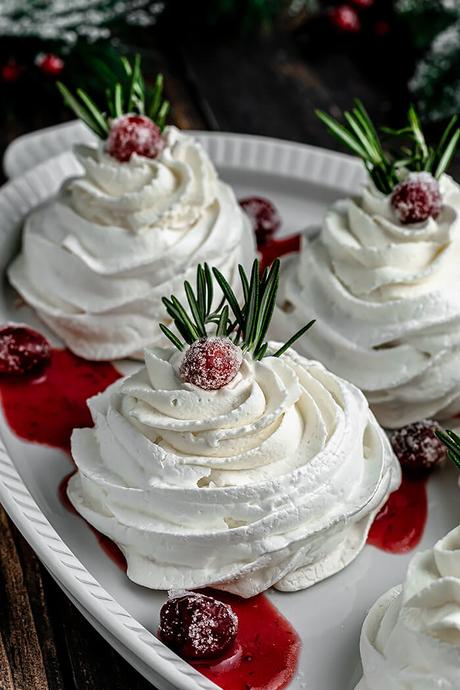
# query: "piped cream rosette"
[[387, 301], [97, 259], [411, 636], [272, 480]]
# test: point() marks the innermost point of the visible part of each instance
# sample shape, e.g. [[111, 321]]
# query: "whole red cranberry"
[[197, 626], [264, 217], [22, 350], [211, 363], [417, 447], [345, 18], [49, 63], [131, 134], [417, 198]]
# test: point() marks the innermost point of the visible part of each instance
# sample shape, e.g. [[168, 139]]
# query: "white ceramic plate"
[[301, 180]]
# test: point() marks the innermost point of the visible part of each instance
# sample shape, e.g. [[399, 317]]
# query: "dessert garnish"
[[451, 440], [418, 446], [411, 174], [133, 117], [22, 350], [417, 198], [212, 362], [197, 626], [264, 217]]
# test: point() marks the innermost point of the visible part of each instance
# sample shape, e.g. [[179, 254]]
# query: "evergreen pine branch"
[[229, 296], [446, 155], [293, 338], [124, 93], [452, 442], [246, 324], [173, 338], [80, 111], [360, 136], [222, 325]]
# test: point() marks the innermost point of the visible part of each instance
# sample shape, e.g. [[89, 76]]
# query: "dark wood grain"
[[35, 581], [25, 667]]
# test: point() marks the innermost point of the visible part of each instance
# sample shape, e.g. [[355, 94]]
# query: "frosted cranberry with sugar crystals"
[[197, 626], [22, 350], [134, 134], [417, 198], [417, 447], [263, 215], [211, 363]]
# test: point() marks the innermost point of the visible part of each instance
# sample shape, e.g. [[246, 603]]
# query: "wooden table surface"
[[269, 88]]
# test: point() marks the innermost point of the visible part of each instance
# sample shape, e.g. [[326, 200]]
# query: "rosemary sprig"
[[420, 156], [452, 442], [360, 136], [247, 325], [125, 93]]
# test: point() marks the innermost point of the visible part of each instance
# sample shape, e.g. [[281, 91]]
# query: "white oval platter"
[[302, 181]]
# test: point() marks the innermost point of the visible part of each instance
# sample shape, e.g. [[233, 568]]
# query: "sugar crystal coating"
[[22, 350], [417, 447], [197, 626], [417, 198], [211, 363], [131, 134]]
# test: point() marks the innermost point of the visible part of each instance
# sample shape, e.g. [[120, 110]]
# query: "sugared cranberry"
[[22, 350], [417, 447], [211, 363], [49, 63], [134, 134], [417, 198], [197, 626], [264, 217], [345, 18]]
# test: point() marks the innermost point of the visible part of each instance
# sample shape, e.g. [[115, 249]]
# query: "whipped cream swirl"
[[97, 259], [272, 480], [387, 302], [411, 637]]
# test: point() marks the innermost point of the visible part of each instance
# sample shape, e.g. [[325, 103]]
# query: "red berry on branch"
[[131, 134], [22, 350], [197, 626], [211, 363], [417, 198], [49, 63], [264, 217], [417, 447], [11, 71], [345, 18]]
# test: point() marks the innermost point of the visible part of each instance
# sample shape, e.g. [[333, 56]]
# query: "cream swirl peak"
[[273, 479], [411, 636], [386, 294]]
